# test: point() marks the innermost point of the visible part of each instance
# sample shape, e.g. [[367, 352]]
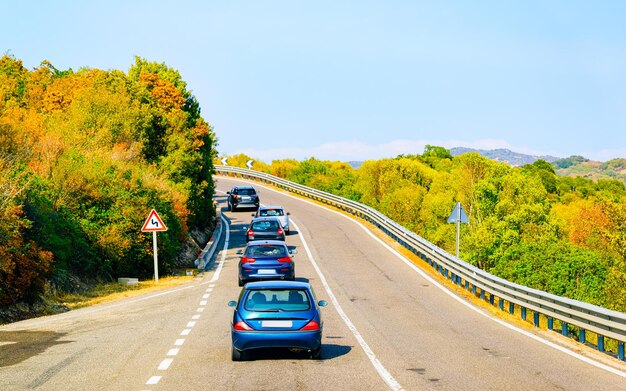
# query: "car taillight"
[[312, 325], [284, 259], [250, 233], [247, 260], [242, 326], [280, 231]]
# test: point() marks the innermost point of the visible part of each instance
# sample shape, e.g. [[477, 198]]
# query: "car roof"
[[262, 242], [265, 218], [243, 187], [276, 284], [271, 207]]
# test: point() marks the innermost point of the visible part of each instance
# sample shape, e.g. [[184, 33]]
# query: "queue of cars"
[[273, 310]]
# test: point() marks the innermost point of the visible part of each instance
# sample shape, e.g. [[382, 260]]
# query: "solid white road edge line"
[[382, 371], [455, 297]]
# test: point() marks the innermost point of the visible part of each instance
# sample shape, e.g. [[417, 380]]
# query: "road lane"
[[343, 364]]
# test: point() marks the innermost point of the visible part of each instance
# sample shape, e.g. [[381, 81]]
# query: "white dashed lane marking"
[[154, 380], [173, 352], [165, 364], [179, 342]]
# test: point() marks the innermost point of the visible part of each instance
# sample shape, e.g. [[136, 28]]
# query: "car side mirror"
[[253, 214], [232, 303], [239, 252], [293, 251], [288, 214], [322, 303], [228, 192]]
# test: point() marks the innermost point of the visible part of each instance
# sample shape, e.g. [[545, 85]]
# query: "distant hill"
[[578, 166], [573, 166], [504, 155]]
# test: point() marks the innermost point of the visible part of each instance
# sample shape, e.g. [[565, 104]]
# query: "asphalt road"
[[387, 326]]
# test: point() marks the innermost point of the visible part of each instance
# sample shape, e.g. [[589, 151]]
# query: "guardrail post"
[[511, 308], [601, 343], [550, 324], [492, 299], [473, 289], [564, 329], [582, 338], [501, 304], [482, 294], [523, 313], [620, 350], [536, 319], [467, 285]]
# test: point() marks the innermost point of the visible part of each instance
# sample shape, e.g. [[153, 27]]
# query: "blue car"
[[276, 314], [266, 260]]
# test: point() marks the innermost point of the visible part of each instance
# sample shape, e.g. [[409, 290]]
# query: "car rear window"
[[246, 192], [265, 226], [271, 212], [275, 300], [266, 251]]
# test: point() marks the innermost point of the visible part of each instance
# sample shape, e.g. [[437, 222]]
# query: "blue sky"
[[354, 80]]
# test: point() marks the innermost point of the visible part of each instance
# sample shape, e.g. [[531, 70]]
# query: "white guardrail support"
[[584, 316]]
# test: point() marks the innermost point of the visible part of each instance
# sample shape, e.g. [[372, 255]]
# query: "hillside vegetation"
[[578, 166], [563, 235], [84, 156]]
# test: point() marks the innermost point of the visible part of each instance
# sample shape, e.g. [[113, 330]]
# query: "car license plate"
[[267, 271], [245, 198], [276, 323]]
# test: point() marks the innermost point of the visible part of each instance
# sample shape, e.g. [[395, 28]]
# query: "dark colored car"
[[265, 228], [242, 197], [266, 260], [276, 314]]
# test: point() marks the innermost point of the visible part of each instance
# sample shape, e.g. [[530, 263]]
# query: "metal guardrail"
[[585, 316], [207, 253]]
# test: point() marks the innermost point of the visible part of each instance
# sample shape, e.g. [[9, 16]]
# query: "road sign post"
[[458, 216], [154, 224]]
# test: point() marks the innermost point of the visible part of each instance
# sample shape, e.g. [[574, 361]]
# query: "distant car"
[[276, 314], [275, 211], [265, 260], [242, 196], [265, 228]]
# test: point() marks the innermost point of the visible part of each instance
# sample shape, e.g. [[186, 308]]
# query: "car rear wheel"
[[237, 355]]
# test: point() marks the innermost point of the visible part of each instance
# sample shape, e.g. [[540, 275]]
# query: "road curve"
[[392, 317]]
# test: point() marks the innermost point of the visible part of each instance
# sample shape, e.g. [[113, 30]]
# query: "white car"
[[275, 211]]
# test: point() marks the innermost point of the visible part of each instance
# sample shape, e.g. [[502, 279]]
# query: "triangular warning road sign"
[[458, 214], [153, 223]]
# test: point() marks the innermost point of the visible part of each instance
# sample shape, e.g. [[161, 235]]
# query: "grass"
[[107, 292]]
